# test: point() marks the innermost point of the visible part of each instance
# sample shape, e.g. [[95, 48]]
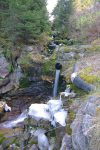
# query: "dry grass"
[[93, 62]]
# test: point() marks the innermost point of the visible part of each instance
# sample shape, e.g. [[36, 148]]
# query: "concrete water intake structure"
[[58, 67]]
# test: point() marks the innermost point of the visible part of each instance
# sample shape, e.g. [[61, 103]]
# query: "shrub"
[[25, 63], [24, 82], [11, 68], [49, 65]]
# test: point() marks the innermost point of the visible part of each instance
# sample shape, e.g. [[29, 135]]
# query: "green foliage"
[[49, 65], [26, 63], [71, 116], [94, 48], [86, 19], [88, 77], [61, 14], [2, 138], [11, 68], [79, 92], [7, 53], [44, 39], [22, 19], [24, 82], [68, 129]]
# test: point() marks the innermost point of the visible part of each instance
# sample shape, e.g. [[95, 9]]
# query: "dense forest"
[[21, 20], [77, 19]]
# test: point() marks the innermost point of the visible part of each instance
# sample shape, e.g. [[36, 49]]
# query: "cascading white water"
[[56, 83], [19, 119]]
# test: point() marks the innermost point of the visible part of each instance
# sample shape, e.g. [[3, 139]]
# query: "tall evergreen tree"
[[24, 19], [61, 15]]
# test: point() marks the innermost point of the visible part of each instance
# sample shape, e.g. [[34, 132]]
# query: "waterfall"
[[13, 123], [56, 83]]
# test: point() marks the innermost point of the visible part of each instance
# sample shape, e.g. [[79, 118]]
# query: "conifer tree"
[[61, 15], [23, 19]]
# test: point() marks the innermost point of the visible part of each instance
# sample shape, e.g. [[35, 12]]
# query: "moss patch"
[[49, 65], [71, 116], [79, 92], [24, 82], [26, 63], [88, 77], [68, 129], [2, 138], [11, 68], [94, 48]]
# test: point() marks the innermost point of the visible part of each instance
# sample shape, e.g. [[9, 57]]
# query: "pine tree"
[[61, 14], [22, 19]]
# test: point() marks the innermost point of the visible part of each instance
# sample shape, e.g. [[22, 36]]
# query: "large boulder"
[[86, 126]]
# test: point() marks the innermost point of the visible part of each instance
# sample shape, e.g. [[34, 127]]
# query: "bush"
[[11, 68], [26, 63], [24, 82], [49, 65]]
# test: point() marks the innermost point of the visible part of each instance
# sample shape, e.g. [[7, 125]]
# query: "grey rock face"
[[68, 56], [4, 71], [66, 143], [12, 82], [34, 147], [83, 127], [4, 82], [8, 80]]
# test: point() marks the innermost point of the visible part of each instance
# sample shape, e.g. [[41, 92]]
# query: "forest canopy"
[[23, 20]]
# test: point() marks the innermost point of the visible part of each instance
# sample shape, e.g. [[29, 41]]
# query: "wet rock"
[[6, 88], [66, 143], [15, 77], [70, 55], [86, 126], [38, 89], [1, 148], [4, 75], [60, 132], [4, 71], [4, 82], [11, 82], [34, 147], [81, 55], [14, 147], [7, 143], [28, 48], [67, 56]]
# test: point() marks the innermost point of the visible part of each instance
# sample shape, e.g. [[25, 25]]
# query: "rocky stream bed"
[[82, 123]]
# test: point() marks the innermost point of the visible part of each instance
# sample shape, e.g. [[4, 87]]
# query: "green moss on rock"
[[88, 77], [71, 116], [68, 129], [49, 65], [24, 82]]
